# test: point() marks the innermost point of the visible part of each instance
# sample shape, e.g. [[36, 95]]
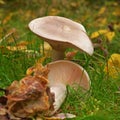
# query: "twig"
[[99, 45], [9, 34]]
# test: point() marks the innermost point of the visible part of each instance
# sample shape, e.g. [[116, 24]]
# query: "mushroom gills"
[[68, 73]]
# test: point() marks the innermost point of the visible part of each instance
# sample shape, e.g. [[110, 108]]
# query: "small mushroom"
[[63, 73], [42, 92], [61, 33]]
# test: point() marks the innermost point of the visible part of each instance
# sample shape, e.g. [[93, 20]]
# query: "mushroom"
[[43, 91], [61, 33], [63, 73]]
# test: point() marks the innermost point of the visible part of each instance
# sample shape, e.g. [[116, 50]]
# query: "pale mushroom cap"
[[62, 33], [68, 73]]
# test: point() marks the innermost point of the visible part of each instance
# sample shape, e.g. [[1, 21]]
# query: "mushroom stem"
[[60, 92], [57, 55]]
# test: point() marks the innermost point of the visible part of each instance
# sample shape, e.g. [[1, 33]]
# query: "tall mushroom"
[[61, 33], [63, 73]]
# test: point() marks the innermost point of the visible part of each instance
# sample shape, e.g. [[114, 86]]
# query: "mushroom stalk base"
[[57, 55], [60, 92]]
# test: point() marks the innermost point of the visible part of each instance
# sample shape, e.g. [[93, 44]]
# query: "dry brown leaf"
[[31, 95], [70, 55]]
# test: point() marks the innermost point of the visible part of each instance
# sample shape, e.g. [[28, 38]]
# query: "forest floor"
[[102, 22]]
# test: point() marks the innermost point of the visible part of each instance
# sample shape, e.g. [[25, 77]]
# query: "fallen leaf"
[[102, 21], [39, 70], [30, 70], [113, 66], [110, 36], [102, 10], [2, 111], [31, 95], [70, 55], [98, 33]]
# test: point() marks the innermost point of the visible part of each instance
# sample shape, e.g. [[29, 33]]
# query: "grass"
[[101, 102]]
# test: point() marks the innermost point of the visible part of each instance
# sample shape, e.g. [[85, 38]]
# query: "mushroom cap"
[[68, 73], [62, 33]]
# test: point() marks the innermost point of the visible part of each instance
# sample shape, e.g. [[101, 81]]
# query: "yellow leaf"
[[98, 33], [103, 21], [113, 66], [30, 70], [110, 36], [102, 10]]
